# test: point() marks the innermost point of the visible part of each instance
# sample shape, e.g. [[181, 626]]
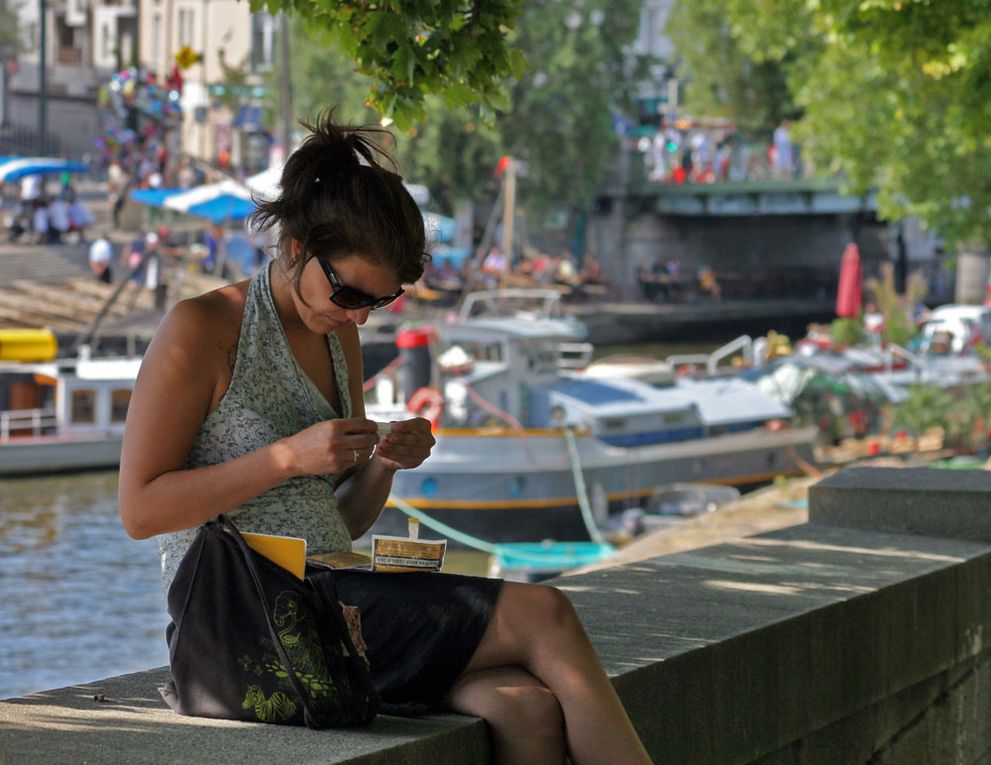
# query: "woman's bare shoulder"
[[211, 314], [201, 324]]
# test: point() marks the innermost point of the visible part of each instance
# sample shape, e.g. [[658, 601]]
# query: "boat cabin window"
[[119, 399], [480, 351], [543, 358], [83, 406]]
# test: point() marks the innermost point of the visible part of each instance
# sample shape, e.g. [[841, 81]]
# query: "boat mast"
[[508, 208]]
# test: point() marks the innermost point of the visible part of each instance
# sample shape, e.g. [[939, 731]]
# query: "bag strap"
[[249, 561], [358, 662]]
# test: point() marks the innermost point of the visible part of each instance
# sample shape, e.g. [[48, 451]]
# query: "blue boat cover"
[[594, 392]]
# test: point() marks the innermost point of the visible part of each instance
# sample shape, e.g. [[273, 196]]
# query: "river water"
[[79, 599]]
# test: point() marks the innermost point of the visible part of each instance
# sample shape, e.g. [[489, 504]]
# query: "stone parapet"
[[928, 501], [812, 644]]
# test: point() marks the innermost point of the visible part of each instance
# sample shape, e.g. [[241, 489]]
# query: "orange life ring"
[[426, 402]]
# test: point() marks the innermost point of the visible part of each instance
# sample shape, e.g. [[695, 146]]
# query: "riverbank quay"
[[856, 637], [629, 323], [51, 285]]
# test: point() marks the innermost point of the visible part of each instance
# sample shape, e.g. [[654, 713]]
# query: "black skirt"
[[421, 629]]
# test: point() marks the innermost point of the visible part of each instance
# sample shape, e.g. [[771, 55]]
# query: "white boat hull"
[[507, 486], [55, 454]]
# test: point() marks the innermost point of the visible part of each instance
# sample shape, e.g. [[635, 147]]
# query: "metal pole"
[[508, 212], [901, 260], [285, 84], [42, 78], [4, 91]]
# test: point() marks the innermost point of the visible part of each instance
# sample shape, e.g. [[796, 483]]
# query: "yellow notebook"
[[288, 552]]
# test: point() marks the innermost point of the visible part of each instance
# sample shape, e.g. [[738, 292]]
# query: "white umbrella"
[[16, 168], [267, 185]]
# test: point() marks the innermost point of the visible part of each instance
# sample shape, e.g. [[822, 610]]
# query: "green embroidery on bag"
[[301, 641], [276, 707]]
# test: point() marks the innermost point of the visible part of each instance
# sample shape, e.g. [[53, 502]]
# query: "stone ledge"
[[729, 653], [933, 502], [133, 725], [772, 647]]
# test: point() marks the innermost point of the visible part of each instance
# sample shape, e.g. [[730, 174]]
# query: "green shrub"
[[846, 332]]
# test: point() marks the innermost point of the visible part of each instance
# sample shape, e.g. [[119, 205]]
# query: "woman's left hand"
[[407, 446]]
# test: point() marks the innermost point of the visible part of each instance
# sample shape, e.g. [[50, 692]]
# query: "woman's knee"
[[529, 620], [551, 610]]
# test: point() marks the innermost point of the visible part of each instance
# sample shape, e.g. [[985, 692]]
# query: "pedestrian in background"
[[101, 253]]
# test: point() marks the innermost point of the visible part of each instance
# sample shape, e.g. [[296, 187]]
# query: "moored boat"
[[523, 440], [59, 414]]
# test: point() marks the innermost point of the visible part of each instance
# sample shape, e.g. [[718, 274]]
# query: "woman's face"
[[319, 313]]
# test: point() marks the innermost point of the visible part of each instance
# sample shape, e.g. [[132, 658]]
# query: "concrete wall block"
[[819, 624], [752, 696], [973, 607], [810, 645], [671, 707], [124, 720], [763, 691], [938, 720], [927, 501], [953, 727]]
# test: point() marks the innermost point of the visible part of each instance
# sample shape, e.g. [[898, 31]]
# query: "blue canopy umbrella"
[[153, 197], [224, 201], [218, 208], [13, 169], [223, 208]]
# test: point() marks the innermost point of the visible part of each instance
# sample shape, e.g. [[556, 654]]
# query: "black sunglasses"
[[351, 298]]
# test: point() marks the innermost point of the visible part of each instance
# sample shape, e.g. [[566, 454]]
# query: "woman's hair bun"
[[341, 195]]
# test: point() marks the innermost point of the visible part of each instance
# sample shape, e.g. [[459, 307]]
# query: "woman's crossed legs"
[[537, 681]]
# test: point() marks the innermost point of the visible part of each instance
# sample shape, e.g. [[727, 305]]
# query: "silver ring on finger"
[[357, 454]]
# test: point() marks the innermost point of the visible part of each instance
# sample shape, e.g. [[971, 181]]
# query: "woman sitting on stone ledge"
[[249, 403]]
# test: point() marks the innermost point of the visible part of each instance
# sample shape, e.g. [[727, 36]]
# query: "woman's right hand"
[[332, 446]]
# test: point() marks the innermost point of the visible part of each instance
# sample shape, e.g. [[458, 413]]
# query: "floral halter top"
[[270, 397]]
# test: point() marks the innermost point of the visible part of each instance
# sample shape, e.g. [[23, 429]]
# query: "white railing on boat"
[[752, 350], [918, 363], [574, 356], [35, 420], [744, 344]]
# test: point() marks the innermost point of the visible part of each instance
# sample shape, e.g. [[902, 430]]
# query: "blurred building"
[[85, 41], [222, 93], [88, 40], [657, 93]]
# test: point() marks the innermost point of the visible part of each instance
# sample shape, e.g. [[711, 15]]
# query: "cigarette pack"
[[405, 554]]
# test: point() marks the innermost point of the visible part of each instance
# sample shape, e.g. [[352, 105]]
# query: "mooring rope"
[[576, 472], [550, 557]]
